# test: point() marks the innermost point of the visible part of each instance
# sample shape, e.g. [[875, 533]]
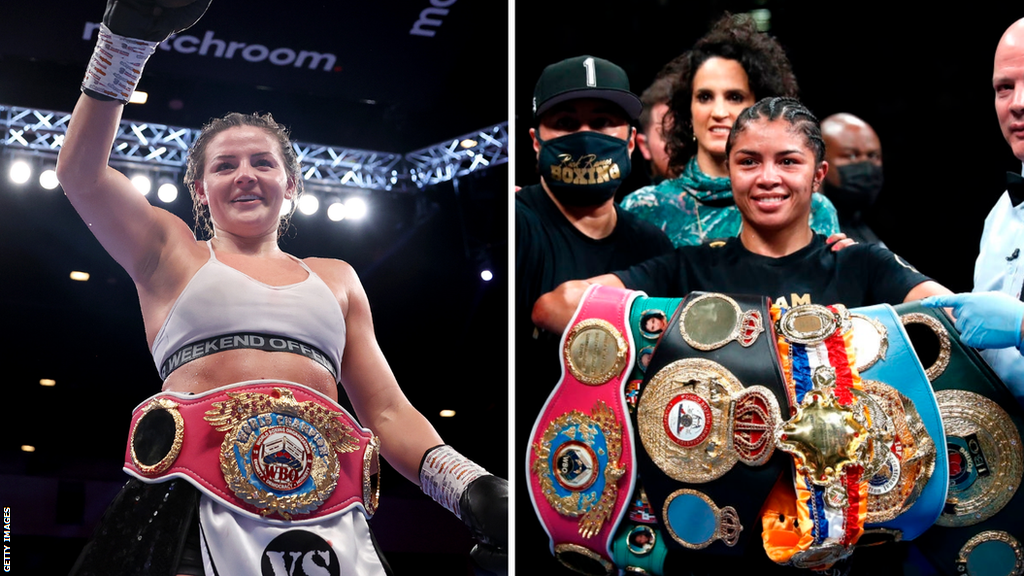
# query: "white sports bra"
[[222, 308]]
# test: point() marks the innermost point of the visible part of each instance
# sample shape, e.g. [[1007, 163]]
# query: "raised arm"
[[554, 310], [133, 232]]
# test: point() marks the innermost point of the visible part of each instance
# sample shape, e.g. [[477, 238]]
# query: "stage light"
[[48, 179], [487, 275], [20, 172], [447, 413], [47, 382], [468, 143], [286, 207], [336, 211], [138, 97], [142, 183], [309, 204], [355, 208], [27, 448], [167, 192], [79, 276]]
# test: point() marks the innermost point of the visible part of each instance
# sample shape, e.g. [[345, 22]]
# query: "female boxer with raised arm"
[[252, 344]]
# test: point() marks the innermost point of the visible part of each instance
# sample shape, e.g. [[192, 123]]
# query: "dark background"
[[419, 253], [919, 73]]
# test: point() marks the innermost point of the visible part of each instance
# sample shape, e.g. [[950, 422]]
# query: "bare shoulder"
[[332, 269], [339, 276]]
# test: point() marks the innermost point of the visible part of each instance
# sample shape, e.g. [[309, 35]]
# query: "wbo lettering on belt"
[[267, 449]]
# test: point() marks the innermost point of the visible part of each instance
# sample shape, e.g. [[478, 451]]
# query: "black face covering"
[[584, 168], [859, 185]]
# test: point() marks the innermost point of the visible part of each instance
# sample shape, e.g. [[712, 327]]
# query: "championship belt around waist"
[[816, 519], [580, 463], [981, 528], [271, 450], [907, 494], [708, 407]]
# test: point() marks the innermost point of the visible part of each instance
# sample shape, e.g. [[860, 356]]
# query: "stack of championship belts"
[[721, 434]]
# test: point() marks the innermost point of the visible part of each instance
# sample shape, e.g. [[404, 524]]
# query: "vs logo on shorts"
[[299, 553]]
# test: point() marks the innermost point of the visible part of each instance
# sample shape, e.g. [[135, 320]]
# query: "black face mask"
[[859, 185], [584, 168]]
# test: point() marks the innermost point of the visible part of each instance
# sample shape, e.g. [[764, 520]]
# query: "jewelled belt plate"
[[581, 462], [907, 495], [284, 450], [710, 321], [830, 436], [991, 553], [909, 455], [696, 420], [985, 457]]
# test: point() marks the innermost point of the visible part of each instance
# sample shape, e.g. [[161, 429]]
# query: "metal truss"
[[41, 133], [467, 153]]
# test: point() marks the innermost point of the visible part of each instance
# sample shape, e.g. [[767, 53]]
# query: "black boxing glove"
[[477, 497], [129, 35], [484, 508], [152, 20]]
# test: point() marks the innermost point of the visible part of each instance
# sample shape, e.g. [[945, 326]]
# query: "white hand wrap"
[[445, 474], [116, 65]]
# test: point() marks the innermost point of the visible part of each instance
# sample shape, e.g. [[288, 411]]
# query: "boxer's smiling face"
[[245, 181], [774, 171]]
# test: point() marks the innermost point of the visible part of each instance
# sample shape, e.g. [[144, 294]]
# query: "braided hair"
[[789, 109]]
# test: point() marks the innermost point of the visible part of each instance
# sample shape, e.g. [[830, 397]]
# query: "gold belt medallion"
[[578, 466], [711, 321], [279, 454], [985, 457], [595, 351], [870, 341], [909, 458], [944, 345], [811, 323], [991, 553], [696, 420]]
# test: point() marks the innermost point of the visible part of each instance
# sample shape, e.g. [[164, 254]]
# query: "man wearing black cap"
[[568, 225]]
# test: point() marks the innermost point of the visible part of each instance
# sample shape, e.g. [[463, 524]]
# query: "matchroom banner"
[[354, 49]]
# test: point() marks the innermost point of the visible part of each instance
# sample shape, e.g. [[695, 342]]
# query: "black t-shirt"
[[550, 251], [859, 275]]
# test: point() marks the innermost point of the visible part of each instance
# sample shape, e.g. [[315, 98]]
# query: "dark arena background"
[[401, 104]]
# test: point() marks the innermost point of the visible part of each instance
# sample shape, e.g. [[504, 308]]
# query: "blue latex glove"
[[984, 319]]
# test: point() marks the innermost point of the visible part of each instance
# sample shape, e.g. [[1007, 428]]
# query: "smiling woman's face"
[[774, 171], [245, 181], [720, 92]]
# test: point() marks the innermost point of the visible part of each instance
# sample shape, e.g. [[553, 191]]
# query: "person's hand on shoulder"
[[838, 241]]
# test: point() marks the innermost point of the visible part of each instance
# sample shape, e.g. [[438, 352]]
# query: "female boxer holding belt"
[[277, 453]]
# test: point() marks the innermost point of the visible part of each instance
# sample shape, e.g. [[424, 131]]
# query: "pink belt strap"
[[580, 464], [264, 448]]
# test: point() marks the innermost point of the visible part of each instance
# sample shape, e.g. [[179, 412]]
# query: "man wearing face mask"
[[854, 154], [568, 225]]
